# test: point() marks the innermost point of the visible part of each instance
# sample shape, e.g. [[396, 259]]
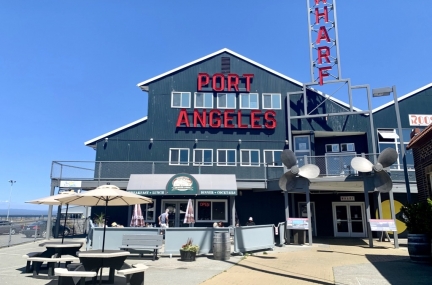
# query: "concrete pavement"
[[328, 261]]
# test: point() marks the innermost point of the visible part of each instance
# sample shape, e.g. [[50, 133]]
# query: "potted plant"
[[188, 251], [100, 220], [418, 219]]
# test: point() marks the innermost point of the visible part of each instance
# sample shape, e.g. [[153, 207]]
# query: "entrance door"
[[177, 211], [349, 219]]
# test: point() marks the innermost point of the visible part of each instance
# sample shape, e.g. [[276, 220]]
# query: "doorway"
[[177, 211], [349, 219]]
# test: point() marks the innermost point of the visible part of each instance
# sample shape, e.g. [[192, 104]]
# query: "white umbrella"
[[52, 200], [137, 217], [105, 195], [189, 216]]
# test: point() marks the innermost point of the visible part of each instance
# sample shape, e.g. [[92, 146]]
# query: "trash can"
[[299, 236], [221, 246]]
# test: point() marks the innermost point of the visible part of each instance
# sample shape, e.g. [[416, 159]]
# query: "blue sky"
[[69, 69]]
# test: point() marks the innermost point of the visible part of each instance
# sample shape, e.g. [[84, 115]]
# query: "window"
[[180, 100], [271, 101], [203, 157], [211, 211], [347, 147], [390, 138], [148, 211], [273, 158], [204, 100], [301, 148], [226, 100], [249, 101], [226, 157], [332, 147], [249, 157], [179, 156]]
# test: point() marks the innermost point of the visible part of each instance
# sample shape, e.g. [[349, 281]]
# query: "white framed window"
[[179, 156], [272, 158], [203, 157], [347, 147], [209, 210], [249, 157], [203, 100], [226, 157], [332, 147], [180, 100], [390, 138], [148, 211], [249, 101], [226, 100], [271, 101], [301, 148]]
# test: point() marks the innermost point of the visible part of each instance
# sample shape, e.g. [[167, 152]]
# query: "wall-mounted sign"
[[219, 192], [420, 120], [347, 198], [70, 184], [382, 225], [219, 82], [148, 192], [182, 184], [227, 119], [297, 223]]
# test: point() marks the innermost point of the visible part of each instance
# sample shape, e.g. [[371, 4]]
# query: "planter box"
[[419, 248], [187, 255]]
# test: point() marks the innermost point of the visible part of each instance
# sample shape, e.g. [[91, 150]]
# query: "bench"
[[134, 276], [142, 243], [27, 256], [66, 277], [37, 262]]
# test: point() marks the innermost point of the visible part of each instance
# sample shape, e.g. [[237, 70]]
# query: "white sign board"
[[70, 184], [347, 198], [420, 120], [383, 225], [297, 224]]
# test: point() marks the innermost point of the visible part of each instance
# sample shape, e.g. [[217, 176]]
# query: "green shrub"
[[189, 246], [418, 217]]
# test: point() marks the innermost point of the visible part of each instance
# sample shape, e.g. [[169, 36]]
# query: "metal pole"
[[367, 182], [402, 145], [371, 123], [309, 216], [392, 209], [10, 197]]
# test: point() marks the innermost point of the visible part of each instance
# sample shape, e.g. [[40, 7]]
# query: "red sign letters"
[[218, 83]]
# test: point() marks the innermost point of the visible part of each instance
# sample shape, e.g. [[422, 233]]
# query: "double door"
[[349, 219], [177, 211]]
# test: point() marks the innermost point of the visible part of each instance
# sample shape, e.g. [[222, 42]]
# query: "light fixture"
[[286, 142], [239, 141], [106, 139], [151, 140], [379, 92], [196, 141]]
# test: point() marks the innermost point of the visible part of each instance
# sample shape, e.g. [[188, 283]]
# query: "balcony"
[[330, 165]]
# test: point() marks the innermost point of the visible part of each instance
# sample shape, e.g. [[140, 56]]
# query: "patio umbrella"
[[52, 200], [105, 195], [189, 216], [137, 217]]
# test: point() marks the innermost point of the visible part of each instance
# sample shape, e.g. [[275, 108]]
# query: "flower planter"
[[419, 248], [187, 255]]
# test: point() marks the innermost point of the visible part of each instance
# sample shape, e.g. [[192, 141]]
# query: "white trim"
[[273, 157], [144, 84], [248, 95], [250, 163], [197, 220], [271, 99], [226, 156], [177, 202], [181, 95], [179, 149], [205, 107], [90, 142], [387, 134], [146, 211], [348, 150], [402, 97], [226, 94], [201, 163], [332, 150], [302, 150]]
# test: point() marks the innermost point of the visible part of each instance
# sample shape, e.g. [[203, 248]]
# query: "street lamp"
[[379, 92], [10, 196]]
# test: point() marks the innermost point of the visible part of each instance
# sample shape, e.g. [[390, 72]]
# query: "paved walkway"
[[328, 261]]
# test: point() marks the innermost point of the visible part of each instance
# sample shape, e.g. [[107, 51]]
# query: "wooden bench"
[[66, 277], [134, 276], [37, 262], [142, 243]]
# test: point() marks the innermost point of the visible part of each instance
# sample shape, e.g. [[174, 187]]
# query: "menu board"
[[382, 225], [297, 224]]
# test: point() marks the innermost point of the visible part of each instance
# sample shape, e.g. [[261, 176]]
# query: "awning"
[[325, 134], [388, 134], [182, 184]]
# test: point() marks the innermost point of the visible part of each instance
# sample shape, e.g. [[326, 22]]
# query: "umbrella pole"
[[103, 240], [64, 227]]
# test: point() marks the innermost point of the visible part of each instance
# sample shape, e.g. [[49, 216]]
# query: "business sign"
[[297, 224], [324, 50], [70, 184], [420, 120], [219, 82], [219, 192], [148, 192], [347, 198], [383, 225], [182, 184]]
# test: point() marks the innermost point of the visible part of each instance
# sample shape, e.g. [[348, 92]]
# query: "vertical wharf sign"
[[323, 41]]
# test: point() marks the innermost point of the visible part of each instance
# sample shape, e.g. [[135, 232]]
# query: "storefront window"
[[212, 210], [148, 212]]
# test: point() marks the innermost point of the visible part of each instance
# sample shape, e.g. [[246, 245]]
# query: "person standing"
[[163, 220], [250, 222]]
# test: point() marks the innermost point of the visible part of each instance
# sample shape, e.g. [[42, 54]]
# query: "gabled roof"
[[91, 143], [403, 97]]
